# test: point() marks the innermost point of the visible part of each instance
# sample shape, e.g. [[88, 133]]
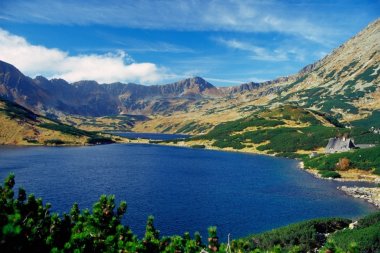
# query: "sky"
[[227, 42]]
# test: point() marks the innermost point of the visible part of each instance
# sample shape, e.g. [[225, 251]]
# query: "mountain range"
[[345, 84]]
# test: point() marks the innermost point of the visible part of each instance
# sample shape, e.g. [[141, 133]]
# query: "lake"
[[185, 189]]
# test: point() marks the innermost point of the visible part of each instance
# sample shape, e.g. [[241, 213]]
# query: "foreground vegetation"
[[27, 225]]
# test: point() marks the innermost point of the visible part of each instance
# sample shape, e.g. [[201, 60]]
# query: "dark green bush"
[[66, 129], [307, 235], [198, 146], [54, 142], [329, 174], [366, 236], [100, 140]]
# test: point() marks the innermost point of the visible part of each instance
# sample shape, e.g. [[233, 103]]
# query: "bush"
[[366, 236], [66, 129], [100, 140], [344, 163], [329, 174], [54, 142], [198, 146], [306, 235]]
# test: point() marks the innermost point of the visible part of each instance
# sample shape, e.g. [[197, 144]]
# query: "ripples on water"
[[185, 189]]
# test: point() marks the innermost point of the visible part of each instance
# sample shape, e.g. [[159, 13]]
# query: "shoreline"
[[368, 194]]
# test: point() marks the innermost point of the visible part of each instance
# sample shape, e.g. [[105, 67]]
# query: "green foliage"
[[66, 129], [294, 113], [332, 103], [227, 128], [369, 220], [15, 111], [287, 139], [187, 128], [198, 146], [305, 236], [372, 120], [281, 140], [364, 159], [364, 136], [100, 140], [331, 74], [364, 238], [368, 75], [329, 174], [54, 142]]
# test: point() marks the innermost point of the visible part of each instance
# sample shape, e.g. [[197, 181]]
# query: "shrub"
[[198, 146], [344, 163], [100, 140], [329, 174], [306, 235], [54, 142], [366, 236]]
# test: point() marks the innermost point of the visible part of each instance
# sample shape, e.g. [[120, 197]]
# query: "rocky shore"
[[370, 194]]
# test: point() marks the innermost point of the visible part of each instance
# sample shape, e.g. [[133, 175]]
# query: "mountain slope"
[[20, 126], [88, 98], [345, 84]]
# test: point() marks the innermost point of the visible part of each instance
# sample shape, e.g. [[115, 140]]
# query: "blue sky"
[[227, 42]]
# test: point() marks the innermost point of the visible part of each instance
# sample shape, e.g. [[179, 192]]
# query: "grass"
[[364, 159], [66, 129]]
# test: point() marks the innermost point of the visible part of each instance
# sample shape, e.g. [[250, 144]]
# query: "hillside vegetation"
[[286, 131], [295, 132], [363, 159], [28, 225], [20, 126]]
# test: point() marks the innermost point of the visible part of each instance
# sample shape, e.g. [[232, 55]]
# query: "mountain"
[[345, 84], [88, 98], [20, 126]]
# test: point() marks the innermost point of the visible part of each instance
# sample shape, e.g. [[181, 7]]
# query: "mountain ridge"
[[344, 83]]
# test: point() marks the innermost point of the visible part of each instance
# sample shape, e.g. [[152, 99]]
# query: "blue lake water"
[[185, 189]]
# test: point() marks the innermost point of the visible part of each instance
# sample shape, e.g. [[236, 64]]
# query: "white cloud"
[[196, 15], [35, 60], [257, 53]]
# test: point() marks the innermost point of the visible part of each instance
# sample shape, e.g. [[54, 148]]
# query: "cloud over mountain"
[[55, 63]]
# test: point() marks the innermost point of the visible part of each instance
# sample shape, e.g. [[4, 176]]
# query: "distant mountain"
[[88, 98]]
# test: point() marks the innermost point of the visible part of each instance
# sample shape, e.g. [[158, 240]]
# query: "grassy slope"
[[285, 131], [293, 132], [19, 126]]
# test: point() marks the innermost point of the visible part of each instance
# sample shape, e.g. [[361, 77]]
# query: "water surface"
[[185, 189]]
